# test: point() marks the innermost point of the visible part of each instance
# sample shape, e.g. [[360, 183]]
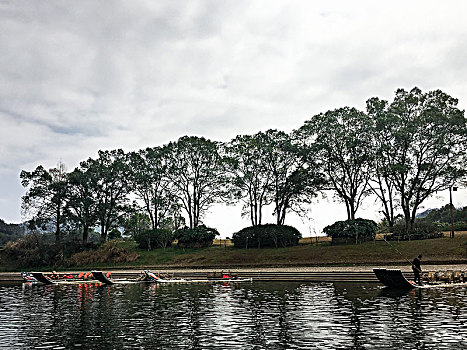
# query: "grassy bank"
[[310, 252], [442, 250]]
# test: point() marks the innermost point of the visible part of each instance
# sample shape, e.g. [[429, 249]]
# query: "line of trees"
[[401, 152], [10, 232]]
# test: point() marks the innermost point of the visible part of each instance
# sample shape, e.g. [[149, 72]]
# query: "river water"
[[253, 315]]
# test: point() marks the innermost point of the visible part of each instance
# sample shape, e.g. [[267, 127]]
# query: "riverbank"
[[315, 255], [304, 273], [375, 253]]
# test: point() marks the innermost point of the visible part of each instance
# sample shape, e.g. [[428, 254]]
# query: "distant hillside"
[[444, 214], [426, 212], [10, 232]]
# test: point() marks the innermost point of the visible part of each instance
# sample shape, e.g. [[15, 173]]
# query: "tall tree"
[[197, 174], [249, 176], [380, 182], [83, 198], [135, 223], [425, 147], [46, 196], [152, 185], [110, 174], [342, 138], [295, 177]]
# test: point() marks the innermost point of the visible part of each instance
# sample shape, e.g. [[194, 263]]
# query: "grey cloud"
[[76, 77]]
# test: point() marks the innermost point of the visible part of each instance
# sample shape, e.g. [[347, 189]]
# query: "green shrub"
[[268, 235], [200, 236], [109, 252], [421, 230], [34, 250], [10, 232], [5, 238], [357, 231], [458, 226], [114, 234], [151, 239]]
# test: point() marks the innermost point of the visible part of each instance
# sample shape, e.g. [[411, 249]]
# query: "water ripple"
[[245, 316]]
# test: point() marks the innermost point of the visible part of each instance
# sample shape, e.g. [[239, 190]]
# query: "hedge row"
[[269, 235], [356, 231], [420, 230]]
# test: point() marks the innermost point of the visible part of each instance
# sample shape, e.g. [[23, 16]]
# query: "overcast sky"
[[79, 76]]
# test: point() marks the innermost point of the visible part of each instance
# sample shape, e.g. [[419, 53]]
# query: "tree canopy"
[[46, 196], [249, 177], [401, 151], [424, 149], [196, 172], [342, 140]]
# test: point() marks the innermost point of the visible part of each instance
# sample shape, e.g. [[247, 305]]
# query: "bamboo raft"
[[394, 278], [146, 276]]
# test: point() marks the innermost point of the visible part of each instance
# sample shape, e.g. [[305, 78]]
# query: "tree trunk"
[[413, 216], [252, 218], [190, 218], [57, 225], [408, 222], [156, 219], [278, 212], [348, 209], [85, 233], [103, 233], [260, 212], [352, 209]]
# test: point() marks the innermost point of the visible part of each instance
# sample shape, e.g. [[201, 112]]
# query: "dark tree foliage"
[[269, 235], [248, 174], [420, 230], [402, 151], [151, 183], [151, 239], [111, 179], [83, 198], [424, 150], [11, 229], [197, 174], [34, 250], [358, 230], [342, 139], [10, 232], [295, 178], [269, 167], [46, 196], [442, 218], [444, 215], [198, 237], [134, 223], [380, 182]]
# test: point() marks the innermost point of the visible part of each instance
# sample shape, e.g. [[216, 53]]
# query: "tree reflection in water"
[[242, 316]]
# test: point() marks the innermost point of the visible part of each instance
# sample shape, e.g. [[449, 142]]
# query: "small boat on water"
[[394, 278]]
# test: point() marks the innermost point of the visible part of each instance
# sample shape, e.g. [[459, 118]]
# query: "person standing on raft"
[[417, 269]]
